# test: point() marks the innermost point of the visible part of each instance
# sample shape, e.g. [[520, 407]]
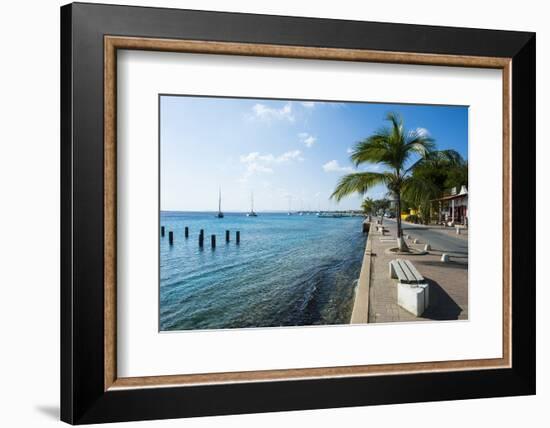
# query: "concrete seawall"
[[360, 313]]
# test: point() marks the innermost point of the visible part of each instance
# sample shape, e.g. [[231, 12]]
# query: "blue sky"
[[280, 150]]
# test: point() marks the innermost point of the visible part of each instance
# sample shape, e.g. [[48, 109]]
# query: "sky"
[[287, 153]]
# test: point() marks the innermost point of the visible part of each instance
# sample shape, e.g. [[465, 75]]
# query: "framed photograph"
[[267, 213]]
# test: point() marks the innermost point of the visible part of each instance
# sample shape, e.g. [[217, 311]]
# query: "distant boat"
[[220, 214], [332, 214], [289, 205], [251, 213]]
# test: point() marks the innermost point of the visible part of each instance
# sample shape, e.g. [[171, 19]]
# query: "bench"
[[381, 229], [412, 289]]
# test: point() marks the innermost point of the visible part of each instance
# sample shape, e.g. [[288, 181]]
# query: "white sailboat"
[[251, 213], [289, 205], [220, 214]]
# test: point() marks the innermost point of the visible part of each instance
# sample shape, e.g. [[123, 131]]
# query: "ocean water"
[[286, 271]]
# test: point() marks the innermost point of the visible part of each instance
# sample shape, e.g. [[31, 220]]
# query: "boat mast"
[[220, 200]]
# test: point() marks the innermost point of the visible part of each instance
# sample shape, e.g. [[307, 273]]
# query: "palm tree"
[[367, 205], [391, 147], [432, 175]]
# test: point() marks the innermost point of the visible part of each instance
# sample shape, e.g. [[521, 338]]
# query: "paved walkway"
[[448, 281]]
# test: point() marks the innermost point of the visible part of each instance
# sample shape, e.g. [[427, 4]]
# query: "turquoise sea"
[[287, 270]]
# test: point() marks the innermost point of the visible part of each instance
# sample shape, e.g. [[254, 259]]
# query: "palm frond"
[[438, 159], [373, 149], [397, 124], [358, 182], [418, 190], [419, 142], [451, 157]]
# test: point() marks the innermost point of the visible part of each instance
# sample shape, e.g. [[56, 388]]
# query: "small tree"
[[368, 205]]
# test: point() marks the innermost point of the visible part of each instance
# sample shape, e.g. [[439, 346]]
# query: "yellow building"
[[405, 214]]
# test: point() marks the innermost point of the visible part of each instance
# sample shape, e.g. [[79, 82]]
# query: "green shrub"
[[413, 218]]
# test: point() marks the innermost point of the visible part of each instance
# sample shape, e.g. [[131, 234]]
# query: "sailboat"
[[251, 213], [289, 205], [220, 214]]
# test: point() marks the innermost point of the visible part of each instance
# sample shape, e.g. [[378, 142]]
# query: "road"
[[440, 241]]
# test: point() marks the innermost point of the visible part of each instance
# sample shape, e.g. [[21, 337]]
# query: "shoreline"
[[360, 311]]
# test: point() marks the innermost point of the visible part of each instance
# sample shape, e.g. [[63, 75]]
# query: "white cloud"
[[269, 158], [310, 141], [307, 139], [263, 112], [334, 166], [287, 156], [421, 132], [349, 150], [263, 163], [313, 104]]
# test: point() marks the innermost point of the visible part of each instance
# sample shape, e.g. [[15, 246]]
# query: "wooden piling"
[[201, 239], [162, 231], [171, 237], [186, 232], [213, 240], [227, 236], [238, 237]]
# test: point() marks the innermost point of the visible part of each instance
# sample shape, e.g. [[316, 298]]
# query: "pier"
[[201, 236]]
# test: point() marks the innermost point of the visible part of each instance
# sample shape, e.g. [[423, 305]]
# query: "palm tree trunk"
[[401, 244], [398, 216]]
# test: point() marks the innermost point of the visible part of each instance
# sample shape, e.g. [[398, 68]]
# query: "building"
[[453, 208]]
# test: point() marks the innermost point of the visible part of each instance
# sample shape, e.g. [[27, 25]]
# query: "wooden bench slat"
[[418, 276], [406, 272], [399, 271], [406, 269]]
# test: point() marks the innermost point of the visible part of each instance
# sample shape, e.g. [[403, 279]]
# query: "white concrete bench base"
[[414, 298], [413, 293]]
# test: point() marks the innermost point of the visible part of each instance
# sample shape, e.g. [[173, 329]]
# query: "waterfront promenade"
[[448, 281]]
